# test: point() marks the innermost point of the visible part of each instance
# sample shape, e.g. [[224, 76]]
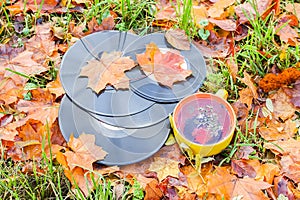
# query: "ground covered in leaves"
[[253, 58]]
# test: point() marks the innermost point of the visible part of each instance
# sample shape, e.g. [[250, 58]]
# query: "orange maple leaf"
[[166, 68], [42, 107], [229, 186], [84, 152], [109, 70]]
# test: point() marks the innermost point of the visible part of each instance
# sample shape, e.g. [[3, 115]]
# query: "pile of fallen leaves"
[[267, 109]]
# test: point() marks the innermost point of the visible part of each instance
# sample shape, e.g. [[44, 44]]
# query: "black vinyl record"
[[149, 117], [151, 89], [124, 146], [109, 102]]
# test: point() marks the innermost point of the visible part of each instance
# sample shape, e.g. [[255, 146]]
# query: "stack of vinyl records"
[[132, 124]]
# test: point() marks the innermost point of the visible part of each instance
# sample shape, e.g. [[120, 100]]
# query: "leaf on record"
[[229, 186], [109, 70], [166, 67], [84, 152], [178, 39]]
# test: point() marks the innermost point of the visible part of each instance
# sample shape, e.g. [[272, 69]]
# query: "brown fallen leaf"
[[229, 186], [42, 107], [55, 87], [246, 97], [178, 39], [246, 10], [84, 152], [164, 167], [32, 135], [109, 70], [291, 167], [166, 67], [199, 13], [294, 8], [23, 63], [290, 146], [242, 169], [197, 182], [225, 24], [267, 172], [248, 81], [244, 152], [216, 49], [286, 33], [275, 130], [152, 192], [218, 8], [283, 108]]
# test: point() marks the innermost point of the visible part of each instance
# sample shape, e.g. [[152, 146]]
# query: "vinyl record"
[[124, 146], [110, 102], [149, 88], [149, 117]]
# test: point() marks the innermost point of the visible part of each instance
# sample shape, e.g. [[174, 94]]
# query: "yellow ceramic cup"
[[197, 105]]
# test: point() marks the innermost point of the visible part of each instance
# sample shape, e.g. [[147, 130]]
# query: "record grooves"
[[130, 125]]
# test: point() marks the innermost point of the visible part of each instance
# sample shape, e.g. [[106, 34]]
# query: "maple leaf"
[[246, 10], [166, 68], [217, 9], [23, 63], [244, 152], [80, 178], [246, 96], [42, 107], [275, 130], [32, 134], [291, 167], [248, 81], [283, 108], [152, 191], [267, 172], [242, 168], [229, 186], [178, 39], [109, 70], [217, 49], [294, 8], [285, 147], [197, 182], [225, 24], [55, 87], [164, 167], [84, 152], [286, 33], [199, 13]]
